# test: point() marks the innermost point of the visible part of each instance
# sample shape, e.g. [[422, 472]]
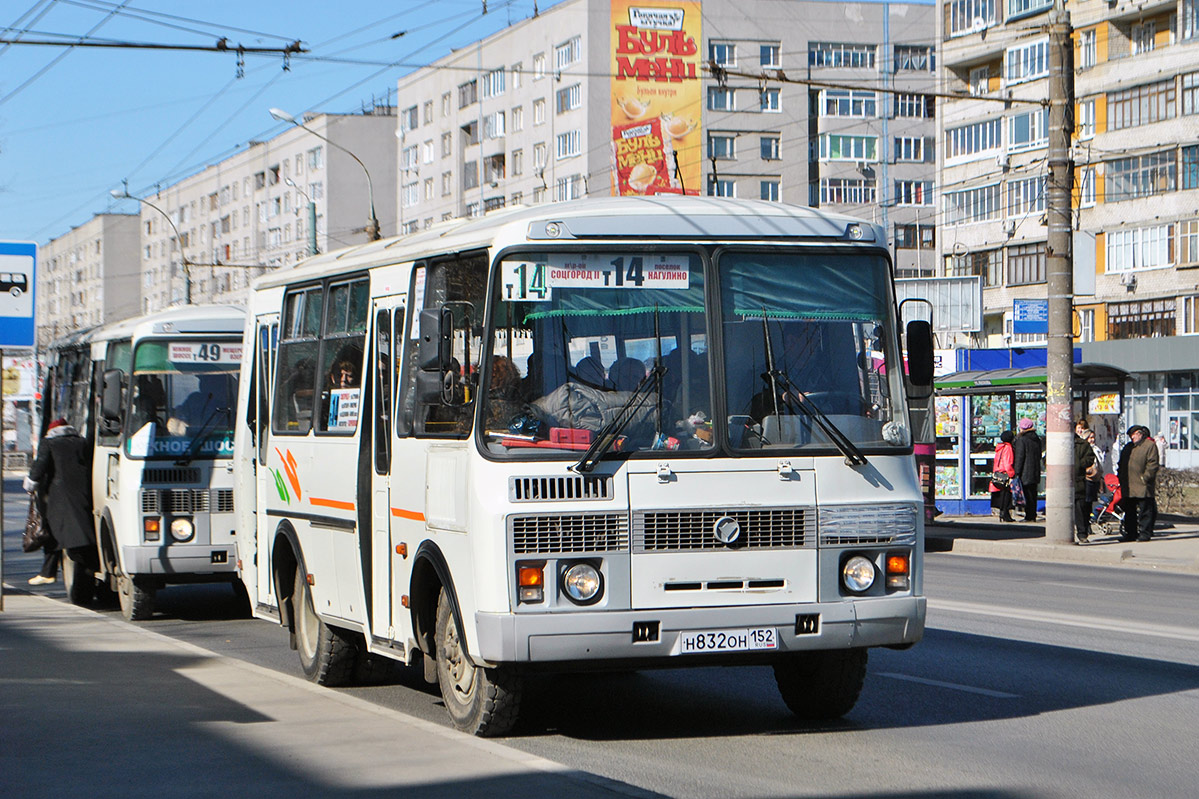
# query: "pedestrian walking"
[[61, 479], [1084, 467], [1138, 469], [1027, 450], [1001, 489]]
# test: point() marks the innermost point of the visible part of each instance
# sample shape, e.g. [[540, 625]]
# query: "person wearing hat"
[[1139, 464], [1026, 452], [61, 480]]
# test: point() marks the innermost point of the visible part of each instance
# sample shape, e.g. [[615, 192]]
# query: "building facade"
[[1136, 174], [88, 276]]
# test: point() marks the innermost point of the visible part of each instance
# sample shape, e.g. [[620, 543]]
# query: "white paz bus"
[[612, 433], [154, 396]]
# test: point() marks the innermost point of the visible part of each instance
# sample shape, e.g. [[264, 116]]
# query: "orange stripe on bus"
[[408, 514], [331, 503]]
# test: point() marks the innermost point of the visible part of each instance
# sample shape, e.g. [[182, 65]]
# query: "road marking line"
[[951, 685], [1069, 620]]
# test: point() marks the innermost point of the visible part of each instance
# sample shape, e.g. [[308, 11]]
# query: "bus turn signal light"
[[898, 569], [530, 582], [152, 528]]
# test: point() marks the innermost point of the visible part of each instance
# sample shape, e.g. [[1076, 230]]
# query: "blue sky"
[[76, 122]]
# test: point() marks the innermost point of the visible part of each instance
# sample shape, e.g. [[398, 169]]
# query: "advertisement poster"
[[948, 421], [949, 481], [657, 97], [343, 409]]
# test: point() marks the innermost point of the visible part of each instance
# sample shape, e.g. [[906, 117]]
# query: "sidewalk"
[[1175, 544], [99, 707]]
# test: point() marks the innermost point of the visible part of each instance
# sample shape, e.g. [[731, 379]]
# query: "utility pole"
[[1059, 257]]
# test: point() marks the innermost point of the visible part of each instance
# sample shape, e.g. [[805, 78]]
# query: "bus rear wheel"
[[480, 701], [819, 686], [327, 654], [136, 596]]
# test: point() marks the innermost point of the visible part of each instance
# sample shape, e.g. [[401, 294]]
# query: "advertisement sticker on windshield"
[[205, 352]]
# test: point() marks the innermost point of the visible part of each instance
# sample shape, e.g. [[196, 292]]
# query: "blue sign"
[[1030, 316], [18, 279]]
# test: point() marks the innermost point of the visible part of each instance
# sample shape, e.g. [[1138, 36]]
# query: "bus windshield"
[[615, 346], [182, 400]]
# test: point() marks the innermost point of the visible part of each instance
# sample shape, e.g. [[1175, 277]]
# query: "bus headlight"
[[582, 583], [182, 530], [858, 574]]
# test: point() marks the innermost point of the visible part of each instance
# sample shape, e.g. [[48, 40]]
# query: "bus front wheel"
[[819, 686], [136, 597], [327, 654], [481, 701]]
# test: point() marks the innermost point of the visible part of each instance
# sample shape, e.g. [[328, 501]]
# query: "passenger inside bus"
[[149, 401], [212, 395]]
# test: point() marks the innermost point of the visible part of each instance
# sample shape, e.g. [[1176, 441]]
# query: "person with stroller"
[[1027, 450], [1139, 464], [1084, 465], [1001, 492]]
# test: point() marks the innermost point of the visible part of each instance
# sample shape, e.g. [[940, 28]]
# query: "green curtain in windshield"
[[808, 286]]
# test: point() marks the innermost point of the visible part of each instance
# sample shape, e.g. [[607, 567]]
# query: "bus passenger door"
[[267, 342], [389, 314]]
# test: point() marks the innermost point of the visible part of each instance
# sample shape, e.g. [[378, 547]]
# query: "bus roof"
[[187, 319], [662, 217]]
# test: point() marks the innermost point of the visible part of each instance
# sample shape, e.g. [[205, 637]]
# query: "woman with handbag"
[[61, 478], [1001, 478]]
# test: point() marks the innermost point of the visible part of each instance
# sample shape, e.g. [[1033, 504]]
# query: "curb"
[[1090, 554]]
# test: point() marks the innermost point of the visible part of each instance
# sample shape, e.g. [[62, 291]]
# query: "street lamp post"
[[372, 225], [311, 216], [123, 194]]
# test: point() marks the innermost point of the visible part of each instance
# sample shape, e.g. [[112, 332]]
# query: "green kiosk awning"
[[1088, 377]]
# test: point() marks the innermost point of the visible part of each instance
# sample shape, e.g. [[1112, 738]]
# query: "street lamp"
[[372, 225], [123, 194], [311, 216]]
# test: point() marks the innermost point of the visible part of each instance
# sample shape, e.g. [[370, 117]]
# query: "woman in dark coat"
[[1027, 450], [62, 478]]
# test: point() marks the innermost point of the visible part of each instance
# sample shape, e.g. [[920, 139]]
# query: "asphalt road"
[[1034, 680]]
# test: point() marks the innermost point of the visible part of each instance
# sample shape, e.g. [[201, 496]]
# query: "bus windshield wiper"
[[607, 434], [200, 437], [794, 398]]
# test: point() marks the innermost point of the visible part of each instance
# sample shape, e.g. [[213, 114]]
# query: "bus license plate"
[[728, 640]]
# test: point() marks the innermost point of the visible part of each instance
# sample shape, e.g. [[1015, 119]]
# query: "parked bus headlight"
[[858, 574], [582, 583], [182, 530]]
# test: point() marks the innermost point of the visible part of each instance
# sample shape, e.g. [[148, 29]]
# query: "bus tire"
[[480, 701], [79, 581], [819, 686], [327, 654], [136, 596], [245, 608]]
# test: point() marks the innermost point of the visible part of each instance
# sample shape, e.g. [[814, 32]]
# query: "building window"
[[1139, 176], [1028, 131], [972, 139], [570, 98], [427, 152], [539, 111], [1026, 264], [770, 101], [1087, 52], [569, 188], [1027, 62], [493, 83], [770, 147], [916, 58], [1188, 242], [1143, 36], [1025, 197], [987, 264], [538, 155], [468, 93], [1131, 249], [447, 144], [1190, 92], [569, 144], [428, 112], [1145, 319], [915, 106], [316, 160], [1086, 324], [447, 183], [409, 119], [518, 119], [970, 16], [913, 192], [1021, 7], [1190, 19], [470, 175], [722, 53], [1086, 188], [835, 147], [1141, 105], [721, 98], [518, 162], [1086, 119], [972, 205], [840, 55], [539, 66], [770, 190], [494, 126], [568, 53], [768, 55], [721, 145], [910, 148], [1190, 167], [848, 191], [911, 237], [848, 103], [721, 187], [980, 81]]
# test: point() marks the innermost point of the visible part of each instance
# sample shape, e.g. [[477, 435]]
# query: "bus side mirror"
[[920, 359], [110, 396], [436, 336]]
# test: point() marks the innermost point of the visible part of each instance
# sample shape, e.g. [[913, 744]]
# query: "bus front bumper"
[[176, 559], [600, 636]]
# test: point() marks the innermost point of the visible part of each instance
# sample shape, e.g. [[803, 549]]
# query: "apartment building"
[[214, 231], [1136, 197], [88, 276], [528, 115]]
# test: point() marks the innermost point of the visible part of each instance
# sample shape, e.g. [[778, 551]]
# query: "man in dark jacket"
[[1027, 451], [62, 479], [1084, 459], [1139, 463]]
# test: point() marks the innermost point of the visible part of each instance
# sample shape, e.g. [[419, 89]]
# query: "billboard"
[[657, 97]]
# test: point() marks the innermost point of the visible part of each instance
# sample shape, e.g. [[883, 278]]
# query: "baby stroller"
[[1107, 516]]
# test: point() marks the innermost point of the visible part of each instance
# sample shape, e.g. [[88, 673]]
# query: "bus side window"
[[291, 412], [384, 401], [342, 349]]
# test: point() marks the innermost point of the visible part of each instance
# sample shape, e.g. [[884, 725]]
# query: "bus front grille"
[[167, 476], [224, 500], [683, 530], [556, 533], [176, 501], [556, 488]]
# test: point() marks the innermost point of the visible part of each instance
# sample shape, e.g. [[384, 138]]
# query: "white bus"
[[154, 396], [613, 433]]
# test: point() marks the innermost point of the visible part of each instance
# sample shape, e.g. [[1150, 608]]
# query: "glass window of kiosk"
[[990, 415], [1032, 406]]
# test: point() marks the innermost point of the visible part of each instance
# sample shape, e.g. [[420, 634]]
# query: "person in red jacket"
[[1001, 495]]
